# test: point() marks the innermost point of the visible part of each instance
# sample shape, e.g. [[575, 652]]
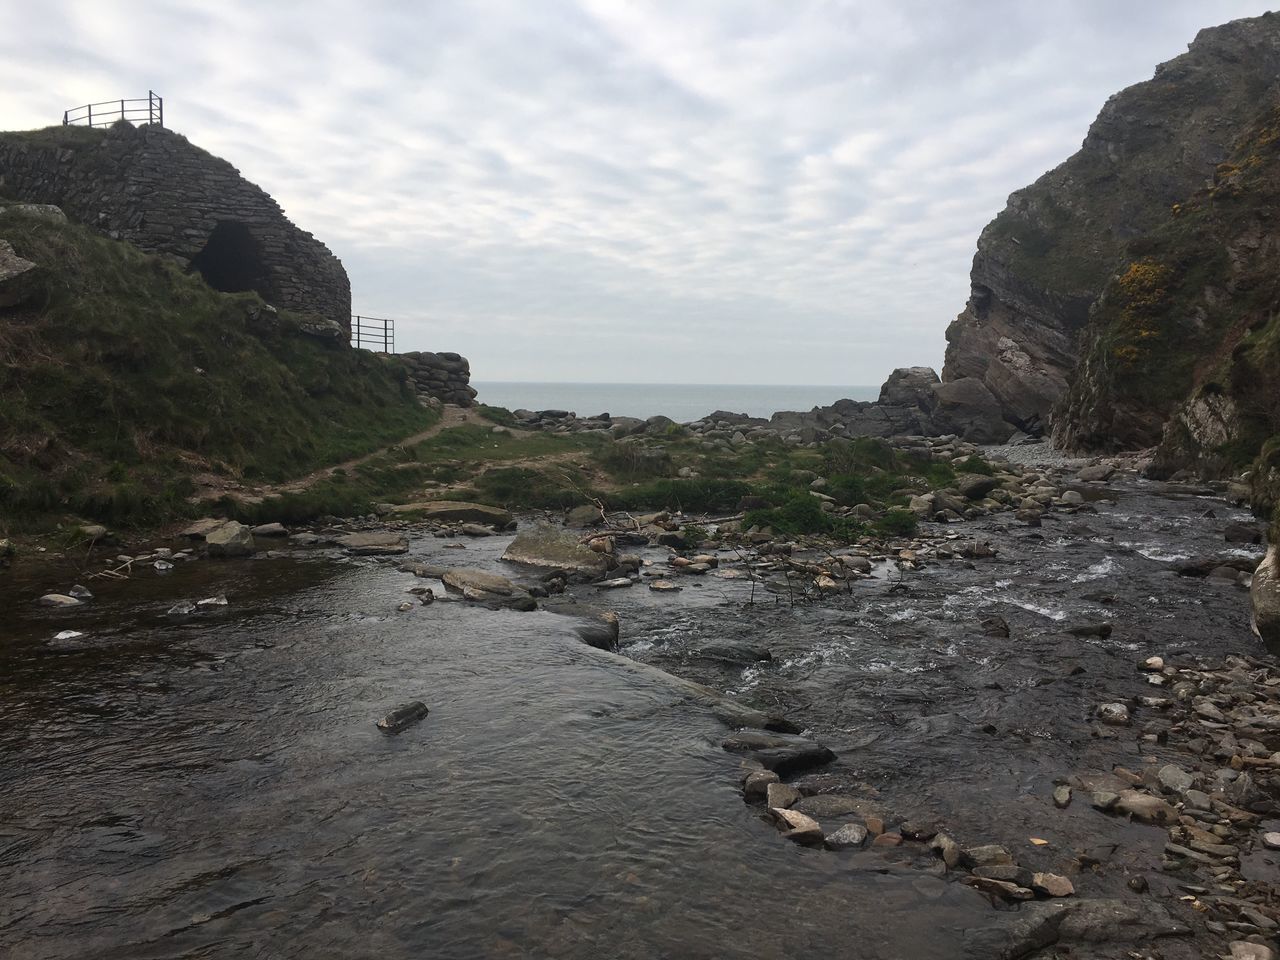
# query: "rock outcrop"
[[1045, 259], [1264, 597], [153, 188], [1182, 349], [442, 376]]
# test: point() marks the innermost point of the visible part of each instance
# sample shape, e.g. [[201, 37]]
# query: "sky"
[[666, 191]]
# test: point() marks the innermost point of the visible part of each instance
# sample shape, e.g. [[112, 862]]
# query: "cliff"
[[1182, 349], [1045, 259]]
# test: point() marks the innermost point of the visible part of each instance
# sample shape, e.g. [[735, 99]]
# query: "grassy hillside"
[[122, 376]]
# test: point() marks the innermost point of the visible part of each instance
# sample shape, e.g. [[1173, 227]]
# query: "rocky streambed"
[[972, 752]]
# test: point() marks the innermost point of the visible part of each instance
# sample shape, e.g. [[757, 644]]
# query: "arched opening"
[[231, 260]]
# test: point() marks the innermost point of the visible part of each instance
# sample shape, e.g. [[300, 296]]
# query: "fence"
[[148, 109], [373, 333]]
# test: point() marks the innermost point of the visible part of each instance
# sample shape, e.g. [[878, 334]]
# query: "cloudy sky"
[[722, 191]]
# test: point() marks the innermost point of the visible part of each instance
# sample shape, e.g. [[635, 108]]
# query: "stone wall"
[[442, 376], [153, 188]]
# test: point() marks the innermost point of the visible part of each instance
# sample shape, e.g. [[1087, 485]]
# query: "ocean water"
[[682, 402]]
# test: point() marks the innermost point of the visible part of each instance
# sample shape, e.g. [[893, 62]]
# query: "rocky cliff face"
[[1182, 349], [1043, 261]]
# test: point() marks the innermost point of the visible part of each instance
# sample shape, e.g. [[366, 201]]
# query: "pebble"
[[1062, 797], [1052, 885], [58, 600], [1271, 841], [80, 592]]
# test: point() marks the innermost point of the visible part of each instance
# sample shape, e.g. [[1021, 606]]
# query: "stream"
[[215, 786]]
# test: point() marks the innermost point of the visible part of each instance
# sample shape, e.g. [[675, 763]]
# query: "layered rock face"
[[153, 188], [1182, 350], [1045, 259], [441, 376]]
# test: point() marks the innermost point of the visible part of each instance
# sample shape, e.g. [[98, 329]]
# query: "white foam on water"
[[1036, 608], [750, 678], [1095, 571], [1155, 552]]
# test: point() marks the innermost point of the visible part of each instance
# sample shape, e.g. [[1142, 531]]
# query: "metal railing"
[[373, 333], [148, 109]]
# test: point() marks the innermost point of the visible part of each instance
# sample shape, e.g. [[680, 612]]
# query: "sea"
[[682, 402]]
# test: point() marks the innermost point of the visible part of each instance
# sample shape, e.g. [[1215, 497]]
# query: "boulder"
[[1264, 598], [58, 600], [975, 486], [373, 543], [545, 546], [270, 530], [231, 539], [34, 211], [1097, 472], [911, 387], [848, 837], [968, 408], [403, 717], [457, 511], [796, 826], [202, 528]]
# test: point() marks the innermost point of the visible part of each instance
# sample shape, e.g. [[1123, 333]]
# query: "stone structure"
[[151, 187], [442, 376]]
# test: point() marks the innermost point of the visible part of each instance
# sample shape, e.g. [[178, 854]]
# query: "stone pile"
[[445, 377]]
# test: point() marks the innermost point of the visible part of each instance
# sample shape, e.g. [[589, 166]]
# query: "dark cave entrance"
[[231, 260]]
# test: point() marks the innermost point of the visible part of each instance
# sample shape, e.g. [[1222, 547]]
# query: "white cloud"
[[740, 191]]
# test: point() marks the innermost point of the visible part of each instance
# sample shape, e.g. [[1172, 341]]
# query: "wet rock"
[[1052, 885], [986, 856], [615, 584], [999, 888], [1120, 921], [947, 849], [781, 795], [430, 571], [231, 539], [475, 530], [1072, 498], [995, 626], [1102, 630], [463, 578], [1271, 840], [782, 753], [1113, 714], [1264, 598], [1246, 533], [1174, 779], [374, 543], [827, 806], [457, 511], [756, 786], [1062, 797], [797, 827], [664, 586], [80, 592], [58, 600], [403, 717], [887, 840], [546, 546], [848, 837], [919, 831], [1145, 808], [584, 516], [183, 608], [270, 530]]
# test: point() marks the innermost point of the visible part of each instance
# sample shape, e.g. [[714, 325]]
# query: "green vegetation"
[[123, 377]]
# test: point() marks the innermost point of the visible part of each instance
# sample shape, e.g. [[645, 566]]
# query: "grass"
[[123, 376]]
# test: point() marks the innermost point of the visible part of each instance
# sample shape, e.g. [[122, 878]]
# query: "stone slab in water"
[[373, 543], [403, 717]]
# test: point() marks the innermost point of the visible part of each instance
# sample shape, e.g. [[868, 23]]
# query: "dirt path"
[[211, 487]]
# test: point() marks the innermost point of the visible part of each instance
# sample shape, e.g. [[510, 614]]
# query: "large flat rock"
[[463, 579], [545, 546], [457, 511], [374, 543], [782, 753]]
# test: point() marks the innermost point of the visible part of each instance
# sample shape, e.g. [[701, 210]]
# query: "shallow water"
[[216, 787]]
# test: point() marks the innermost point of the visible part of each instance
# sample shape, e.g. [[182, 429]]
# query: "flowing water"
[[216, 787]]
